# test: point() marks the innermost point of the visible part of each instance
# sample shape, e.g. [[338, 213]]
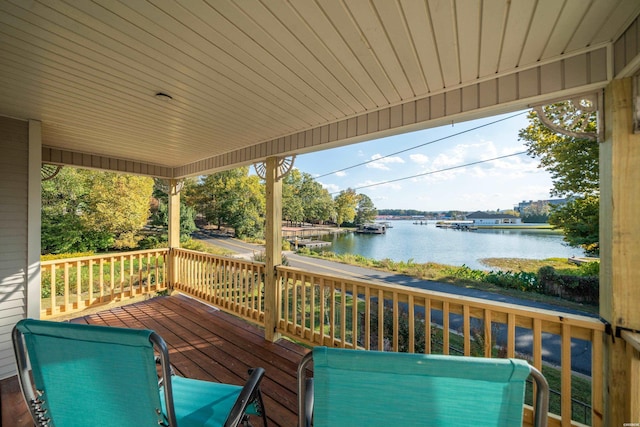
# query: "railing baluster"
[[466, 329], [343, 314], [445, 327], [91, 299], [427, 325], [367, 318], [412, 325], [511, 335], [396, 322], [332, 313], [596, 378], [66, 287], [54, 305], [312, 309], [77, 304], [112, 267], [565, 381], [101, 279], [381, 320], [488, 339], [323, 290]]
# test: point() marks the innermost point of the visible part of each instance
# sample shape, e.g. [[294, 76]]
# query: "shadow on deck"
[[204, 343]]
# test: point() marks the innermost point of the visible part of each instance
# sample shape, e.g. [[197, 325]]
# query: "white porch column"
[[273, 248], [174, 229], [34, 220], [620, 250]]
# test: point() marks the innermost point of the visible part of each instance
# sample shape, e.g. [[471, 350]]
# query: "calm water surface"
[[427, 243]]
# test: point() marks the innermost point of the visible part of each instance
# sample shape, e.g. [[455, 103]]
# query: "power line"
[[422, 145], [437, 171]]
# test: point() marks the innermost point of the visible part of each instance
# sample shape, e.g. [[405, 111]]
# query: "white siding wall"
[[14, 222]]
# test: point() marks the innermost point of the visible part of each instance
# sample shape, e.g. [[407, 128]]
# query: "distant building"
[[484, 218], [525, 204]]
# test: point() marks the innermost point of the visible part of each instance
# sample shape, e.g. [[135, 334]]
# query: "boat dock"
[[464, 225], [308, 243]]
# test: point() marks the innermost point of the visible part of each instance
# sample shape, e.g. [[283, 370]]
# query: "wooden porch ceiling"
[[255, 78], [204, 343]]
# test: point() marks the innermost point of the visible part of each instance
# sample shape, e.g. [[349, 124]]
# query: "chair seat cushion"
[[203, 403]]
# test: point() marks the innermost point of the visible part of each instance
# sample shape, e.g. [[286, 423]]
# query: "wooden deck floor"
[[204, 343]]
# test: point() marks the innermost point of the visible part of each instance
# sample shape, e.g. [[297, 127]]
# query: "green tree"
[[304, 199], [160, 216], [573, 164], [346, 204], [537, 212], [366, 210], [231, 198], [85, 210], [316, 201], [579, 220], [118, 204], [292, 207]]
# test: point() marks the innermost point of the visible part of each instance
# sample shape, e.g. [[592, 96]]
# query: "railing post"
[[273, 248], [619, 249], [173, 232]]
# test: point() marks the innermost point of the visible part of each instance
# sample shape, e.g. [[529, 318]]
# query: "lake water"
[[427, 243]]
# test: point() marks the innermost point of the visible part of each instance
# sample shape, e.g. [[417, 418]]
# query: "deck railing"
[[235, 285], [74, 284], [327, 310], [339, 312]]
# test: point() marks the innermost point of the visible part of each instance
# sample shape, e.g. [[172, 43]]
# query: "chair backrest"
[[90, 375], [383, 388]]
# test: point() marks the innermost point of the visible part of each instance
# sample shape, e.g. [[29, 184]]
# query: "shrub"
[[522, 281], [466, 273], [576, 288], [589, 269]]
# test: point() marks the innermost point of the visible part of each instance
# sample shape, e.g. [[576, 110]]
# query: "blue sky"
[[498, 184]]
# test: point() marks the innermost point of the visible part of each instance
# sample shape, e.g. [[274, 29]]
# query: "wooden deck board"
[[204, 343]]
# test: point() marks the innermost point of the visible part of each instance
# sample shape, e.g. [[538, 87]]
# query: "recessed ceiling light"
[[163, 96]]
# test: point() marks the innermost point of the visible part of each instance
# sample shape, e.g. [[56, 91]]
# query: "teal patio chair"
[[76, 375], [372, 388]]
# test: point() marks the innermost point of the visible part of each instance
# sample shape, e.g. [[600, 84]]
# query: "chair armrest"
[[250, 391], [305, 392]]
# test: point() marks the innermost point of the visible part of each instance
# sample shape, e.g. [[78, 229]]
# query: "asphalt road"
[[580, 349]]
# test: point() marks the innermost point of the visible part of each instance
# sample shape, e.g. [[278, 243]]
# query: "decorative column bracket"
[[49, 171], [574, 117], [166, 188], [285, 164]]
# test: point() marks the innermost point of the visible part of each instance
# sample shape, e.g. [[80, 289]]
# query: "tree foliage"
[[232, 198], [160, 215], [573, 164], [346, 204], [366, 210], [292, 207], [537, 212], [580, 221], [85, 210]]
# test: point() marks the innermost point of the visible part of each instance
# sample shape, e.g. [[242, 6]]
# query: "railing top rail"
[[632, 338], [519, 310], [103, 256], [221, 257]]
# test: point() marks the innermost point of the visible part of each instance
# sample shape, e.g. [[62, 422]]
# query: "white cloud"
[[420, 159], [341, 173], [331, 188], [387, 186], [382, 162]]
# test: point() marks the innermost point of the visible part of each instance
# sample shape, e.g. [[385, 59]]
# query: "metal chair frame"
[[250, 393], [306, 396]]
